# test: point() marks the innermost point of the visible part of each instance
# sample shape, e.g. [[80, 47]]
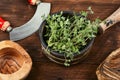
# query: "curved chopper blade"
[[43, 9]]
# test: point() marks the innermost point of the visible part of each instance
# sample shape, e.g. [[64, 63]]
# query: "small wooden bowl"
[[109, 69], [15, 63]]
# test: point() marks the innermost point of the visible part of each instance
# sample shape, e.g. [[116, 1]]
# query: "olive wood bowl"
[[109, 69], [15, 63]]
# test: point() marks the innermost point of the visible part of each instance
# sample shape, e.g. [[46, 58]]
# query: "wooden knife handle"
[[34, 2], [111, 20], [5, 25]]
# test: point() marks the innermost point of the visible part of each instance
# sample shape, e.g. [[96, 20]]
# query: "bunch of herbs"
[[69, 35]]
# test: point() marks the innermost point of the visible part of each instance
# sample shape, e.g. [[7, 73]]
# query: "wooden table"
[[19, 12]]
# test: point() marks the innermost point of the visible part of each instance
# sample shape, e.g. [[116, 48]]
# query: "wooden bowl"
[[109, 69], [15, 63]]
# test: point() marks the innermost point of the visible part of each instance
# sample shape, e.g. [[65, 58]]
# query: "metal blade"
[[32, 25]]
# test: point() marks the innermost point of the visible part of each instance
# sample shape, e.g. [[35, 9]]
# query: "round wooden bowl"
[[15, 63]]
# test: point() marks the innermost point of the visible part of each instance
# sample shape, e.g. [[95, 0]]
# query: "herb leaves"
[[69, 34]]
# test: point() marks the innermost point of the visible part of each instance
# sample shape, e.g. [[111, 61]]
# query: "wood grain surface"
[[109, 69], [19, 12]]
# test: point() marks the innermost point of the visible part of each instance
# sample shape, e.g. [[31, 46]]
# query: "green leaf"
[[90, 9]]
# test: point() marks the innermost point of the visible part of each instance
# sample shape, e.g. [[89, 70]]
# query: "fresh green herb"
[[69, 35]]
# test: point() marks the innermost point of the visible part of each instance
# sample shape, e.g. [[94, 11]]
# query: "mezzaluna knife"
[[27, 29]]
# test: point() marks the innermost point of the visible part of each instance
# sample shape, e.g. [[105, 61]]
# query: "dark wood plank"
[[19, 12]]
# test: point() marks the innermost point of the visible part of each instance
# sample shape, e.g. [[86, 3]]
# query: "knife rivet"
[[34, 2], [38, 2], [9, 29]]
